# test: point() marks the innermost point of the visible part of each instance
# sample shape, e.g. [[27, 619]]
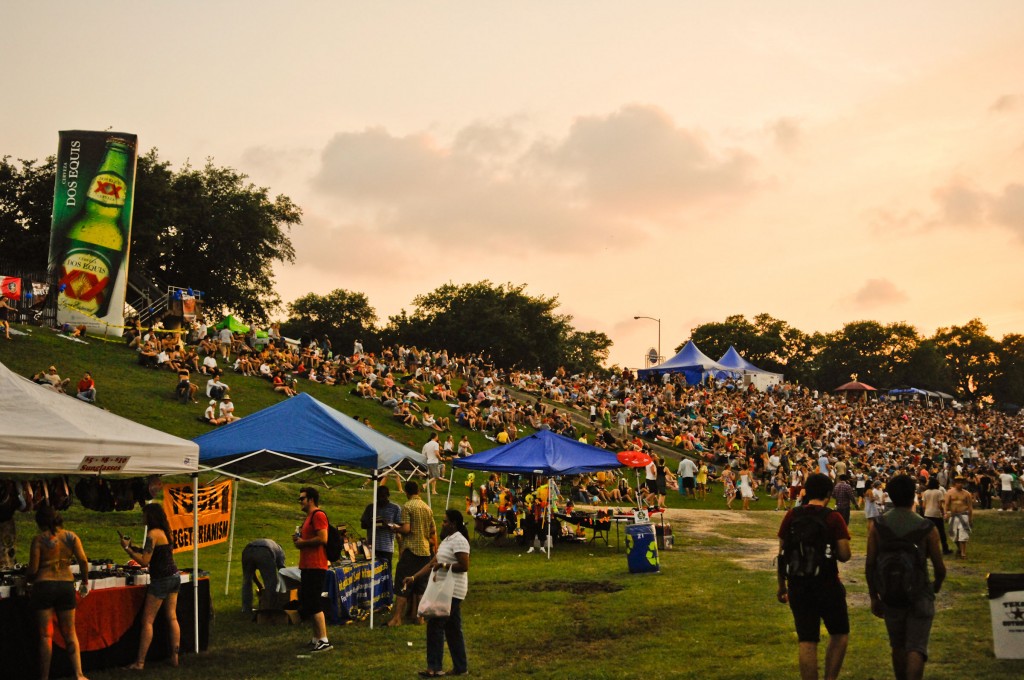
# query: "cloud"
[[878, 293], [785, 133], [611, 181], [959, 203], [637, 161], [1004, 104], [1007, 208]]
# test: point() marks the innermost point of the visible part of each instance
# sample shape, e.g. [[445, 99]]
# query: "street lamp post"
[[659, 331]]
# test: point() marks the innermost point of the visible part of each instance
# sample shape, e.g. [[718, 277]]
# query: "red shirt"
[[313, 556], [85, 384]]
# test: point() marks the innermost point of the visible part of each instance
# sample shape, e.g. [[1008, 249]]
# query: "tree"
[[500, 321], [223, 238], [972, 356], [878, 354], [1008, 386], [341, 315], [26, 203], [207, 229]]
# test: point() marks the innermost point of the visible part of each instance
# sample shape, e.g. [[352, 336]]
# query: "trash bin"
[[665, 539], [1006, 604], [641, 549]]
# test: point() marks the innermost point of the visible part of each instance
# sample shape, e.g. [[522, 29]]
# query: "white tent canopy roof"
[[43, 432]]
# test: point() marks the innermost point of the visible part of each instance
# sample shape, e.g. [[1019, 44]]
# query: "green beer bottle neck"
[[109, 188]]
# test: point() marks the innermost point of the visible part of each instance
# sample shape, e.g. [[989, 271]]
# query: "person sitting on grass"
[[442, 424], [49, 378], [185, 389], [86, 388], [210, 415], [281, 386], [209, 365], [215, 389], [226, 410]]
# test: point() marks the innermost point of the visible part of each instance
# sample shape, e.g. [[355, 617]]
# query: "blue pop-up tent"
[[294, 436], [690, 361], [543, 453]]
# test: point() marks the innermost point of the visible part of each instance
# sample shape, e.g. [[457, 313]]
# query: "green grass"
[[711, 613]]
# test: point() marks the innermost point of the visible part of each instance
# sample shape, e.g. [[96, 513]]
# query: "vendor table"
[[108, 625], [347, 589]]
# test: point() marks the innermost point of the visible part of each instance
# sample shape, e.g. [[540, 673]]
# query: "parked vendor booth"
[[45, 434], [300, 435], [543, 453]]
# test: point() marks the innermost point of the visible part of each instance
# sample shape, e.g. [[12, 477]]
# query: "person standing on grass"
[[164, 584], [311, 540], [451, 561], [933, 500], [909, 626], [432, 452], [687, 474], [959, 510], [53, 586], [818, 598], [419, 534], [845, 497]]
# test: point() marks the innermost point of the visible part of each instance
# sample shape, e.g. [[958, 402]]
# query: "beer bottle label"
[[108, 189], [85, 276]]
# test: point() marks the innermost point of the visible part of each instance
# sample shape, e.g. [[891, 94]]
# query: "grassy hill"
[[711, 613]]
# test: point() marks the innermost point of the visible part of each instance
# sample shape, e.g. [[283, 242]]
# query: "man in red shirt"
[[87, 388], [311, 540]]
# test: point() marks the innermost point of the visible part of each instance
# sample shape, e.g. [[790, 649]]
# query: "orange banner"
[[214, 503]]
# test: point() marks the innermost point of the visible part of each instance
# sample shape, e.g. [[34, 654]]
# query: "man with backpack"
[[812, 540], [311, 540], [899, 544]]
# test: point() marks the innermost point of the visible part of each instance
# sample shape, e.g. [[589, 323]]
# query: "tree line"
[[212, 230], [962, 360]]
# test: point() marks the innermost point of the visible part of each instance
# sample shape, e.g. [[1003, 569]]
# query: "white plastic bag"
[[436, 602]]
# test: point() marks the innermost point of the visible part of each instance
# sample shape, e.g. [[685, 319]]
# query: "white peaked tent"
[[47, 433], [44, 432]]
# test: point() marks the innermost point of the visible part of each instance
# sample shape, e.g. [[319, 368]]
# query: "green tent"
[[232, 323]]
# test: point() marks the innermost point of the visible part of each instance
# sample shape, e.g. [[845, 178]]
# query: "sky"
[[822, 162]]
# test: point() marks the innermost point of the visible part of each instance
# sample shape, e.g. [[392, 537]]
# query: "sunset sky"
[[823, 162]]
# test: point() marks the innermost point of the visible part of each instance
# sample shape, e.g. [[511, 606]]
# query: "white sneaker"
[[530, 550]]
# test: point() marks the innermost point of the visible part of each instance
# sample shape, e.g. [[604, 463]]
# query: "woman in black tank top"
[[164, 581]]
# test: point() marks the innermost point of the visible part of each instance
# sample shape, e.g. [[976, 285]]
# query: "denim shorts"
[[161, 587]]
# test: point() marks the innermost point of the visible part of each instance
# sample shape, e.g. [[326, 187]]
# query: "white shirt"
[[686, 468], [430, 450], [456, 543]]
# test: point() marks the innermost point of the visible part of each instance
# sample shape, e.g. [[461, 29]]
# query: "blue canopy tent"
[[295, 436], [691, 362], [543, 453]]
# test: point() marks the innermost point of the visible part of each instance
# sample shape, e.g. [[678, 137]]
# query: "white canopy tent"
[[48, 433]]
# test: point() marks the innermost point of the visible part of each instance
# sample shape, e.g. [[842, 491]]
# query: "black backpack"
[[901, 572], [806, 549], [334, 541]]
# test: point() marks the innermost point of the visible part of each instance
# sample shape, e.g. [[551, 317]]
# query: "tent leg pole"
[[451, 478], [373, 547], [195, 561], [231, 539]]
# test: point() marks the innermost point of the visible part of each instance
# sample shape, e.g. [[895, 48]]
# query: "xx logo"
[[108, 189]]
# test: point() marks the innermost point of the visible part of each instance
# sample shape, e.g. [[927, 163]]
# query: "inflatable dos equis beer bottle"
[[95, 242]]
